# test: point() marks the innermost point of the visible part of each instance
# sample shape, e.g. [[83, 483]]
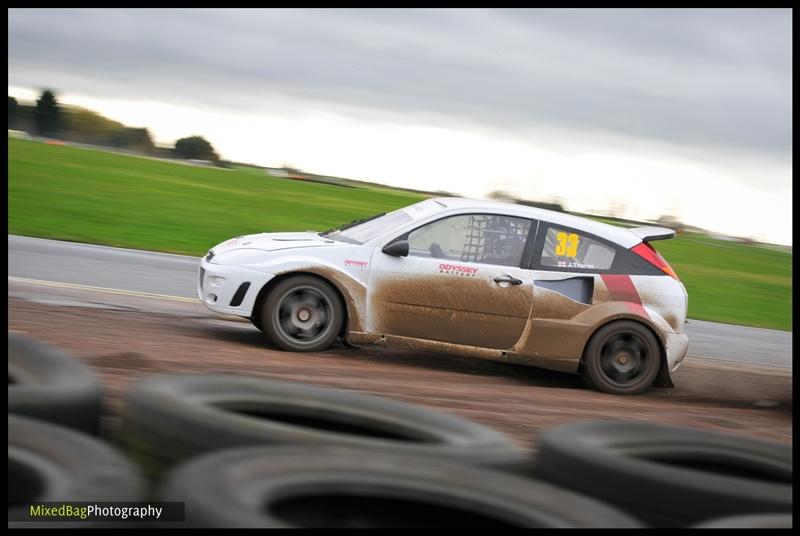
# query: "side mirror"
[[397, 249]]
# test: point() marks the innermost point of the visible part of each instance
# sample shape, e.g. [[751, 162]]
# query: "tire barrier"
[[48, 384], [667, 476], [334, 487], [254, 452], [47, 462], [167, 419]]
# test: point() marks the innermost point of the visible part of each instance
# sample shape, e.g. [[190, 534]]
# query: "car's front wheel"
[[302, 314], [622, 357]]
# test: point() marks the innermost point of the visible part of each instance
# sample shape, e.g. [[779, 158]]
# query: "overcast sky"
[[679, 111]]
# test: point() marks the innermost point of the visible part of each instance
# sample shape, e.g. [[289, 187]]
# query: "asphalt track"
[[46, 270]]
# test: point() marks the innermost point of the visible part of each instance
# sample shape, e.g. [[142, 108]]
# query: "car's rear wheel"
[[302, 314], [622, 358]]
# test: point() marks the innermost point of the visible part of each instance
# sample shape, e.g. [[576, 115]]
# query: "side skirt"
[[361, 337]]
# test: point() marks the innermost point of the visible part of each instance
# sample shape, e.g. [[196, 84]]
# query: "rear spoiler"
[[648, 234]]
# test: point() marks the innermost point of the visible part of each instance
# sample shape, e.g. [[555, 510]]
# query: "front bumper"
[[217, 286]]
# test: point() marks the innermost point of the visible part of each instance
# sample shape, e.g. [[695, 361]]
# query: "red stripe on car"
[[621, 288]]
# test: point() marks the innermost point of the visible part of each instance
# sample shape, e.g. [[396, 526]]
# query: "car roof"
[[618, 235]]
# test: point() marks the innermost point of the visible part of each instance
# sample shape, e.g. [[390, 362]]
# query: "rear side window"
[[566, 248]]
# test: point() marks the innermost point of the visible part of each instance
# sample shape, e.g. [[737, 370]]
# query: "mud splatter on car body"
[[466, 312]]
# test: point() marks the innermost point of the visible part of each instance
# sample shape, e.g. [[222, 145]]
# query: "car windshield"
[[360, 231]]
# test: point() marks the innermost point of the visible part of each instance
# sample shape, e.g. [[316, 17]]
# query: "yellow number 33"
[[567, 244]]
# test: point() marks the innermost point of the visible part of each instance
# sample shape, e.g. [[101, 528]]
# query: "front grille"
[[202, 273]]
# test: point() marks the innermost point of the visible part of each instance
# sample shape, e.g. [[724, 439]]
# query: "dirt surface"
[[123, 346]]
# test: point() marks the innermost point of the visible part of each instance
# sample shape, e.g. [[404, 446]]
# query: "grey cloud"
[[719, 79]]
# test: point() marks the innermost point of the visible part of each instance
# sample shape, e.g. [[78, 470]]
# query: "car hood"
[[274, 241]]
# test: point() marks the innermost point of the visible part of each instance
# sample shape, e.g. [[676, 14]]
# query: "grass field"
[[63, 192], [83, 195]]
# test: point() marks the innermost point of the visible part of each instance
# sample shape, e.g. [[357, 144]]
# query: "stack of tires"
[[54, 405], [264, 453], [253, 452], [671, 477]]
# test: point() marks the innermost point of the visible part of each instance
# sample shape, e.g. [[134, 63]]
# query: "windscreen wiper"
[[351, 224]]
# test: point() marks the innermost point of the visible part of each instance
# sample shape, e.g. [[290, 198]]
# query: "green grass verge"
[[83, 195]]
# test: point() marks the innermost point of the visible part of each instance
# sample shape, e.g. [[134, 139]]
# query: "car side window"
[[479, 238], [565, 248]]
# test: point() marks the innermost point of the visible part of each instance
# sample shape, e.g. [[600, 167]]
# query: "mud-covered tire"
[[48, 384], [302, 314], [166, 419], [664, 475], [334, 487], [622, 357], [51, 463]]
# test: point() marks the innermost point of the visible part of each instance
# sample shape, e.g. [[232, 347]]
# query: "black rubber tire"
[[167, 419], [664, 475], [760, 521], [631, 336], [51, 463], [334, 487], [48, 384], [331, 308]]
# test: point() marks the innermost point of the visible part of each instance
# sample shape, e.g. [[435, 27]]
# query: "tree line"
[[47, 118]]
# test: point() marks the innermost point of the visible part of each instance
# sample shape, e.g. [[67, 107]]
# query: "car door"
[[460, 283]]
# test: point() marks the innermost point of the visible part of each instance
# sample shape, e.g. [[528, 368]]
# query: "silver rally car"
[[469, 277]]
